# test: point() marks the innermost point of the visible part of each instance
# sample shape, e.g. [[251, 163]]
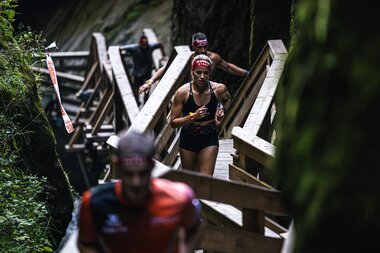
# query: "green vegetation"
[[327, 152], [24, 217]]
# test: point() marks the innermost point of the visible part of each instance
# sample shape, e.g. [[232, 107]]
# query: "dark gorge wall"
[[71, 22], [227, 26], [237, 30]]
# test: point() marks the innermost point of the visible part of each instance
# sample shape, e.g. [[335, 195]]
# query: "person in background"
[[200, 45], [141, 54], [138, 213], [198, 107]]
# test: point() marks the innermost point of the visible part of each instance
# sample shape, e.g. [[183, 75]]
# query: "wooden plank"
[[61, 75], [234, 193], [235, 240], [75, 147], [172, 151], [277, 49], [89, 76], [163, 137], [243, 111], [102, 104], [123, 84], [228, 216], [240, 175], [152, 110], [104, 113], [70, 54], [100, 137], [256, 70], [264, 99], [94, 94], [275, 227], [218, 216], [75, 136], [253, 220], [101, 50], [103, 128], [254, 147]]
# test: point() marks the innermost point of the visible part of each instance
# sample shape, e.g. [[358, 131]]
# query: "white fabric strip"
[[53, 75]]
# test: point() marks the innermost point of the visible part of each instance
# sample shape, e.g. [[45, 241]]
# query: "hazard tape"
[[53, 75]]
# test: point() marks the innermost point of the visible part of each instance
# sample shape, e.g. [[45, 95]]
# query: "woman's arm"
[[175, 116], [224, 99], [148, 83]]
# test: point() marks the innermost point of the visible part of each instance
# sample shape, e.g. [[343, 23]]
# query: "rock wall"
[[237, 30], [71, 22]]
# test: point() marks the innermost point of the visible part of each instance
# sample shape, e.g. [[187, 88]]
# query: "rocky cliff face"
[[71, 22], [237, 30]]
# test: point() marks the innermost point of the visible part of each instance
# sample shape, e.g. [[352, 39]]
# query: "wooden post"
[[253, 220]]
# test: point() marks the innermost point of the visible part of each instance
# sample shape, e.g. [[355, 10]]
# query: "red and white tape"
[[53, 75]]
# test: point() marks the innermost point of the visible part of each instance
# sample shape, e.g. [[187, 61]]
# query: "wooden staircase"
[[239, 206]]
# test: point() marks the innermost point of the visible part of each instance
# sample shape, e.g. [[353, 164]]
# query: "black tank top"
[[191, 106]]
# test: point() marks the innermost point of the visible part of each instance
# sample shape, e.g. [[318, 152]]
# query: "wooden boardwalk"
[[224, 159], [222, 171], [250, 147]]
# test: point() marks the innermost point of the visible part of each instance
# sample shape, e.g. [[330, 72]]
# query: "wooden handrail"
[[233, 193], [97, 80], [246, 95], [123, 90], [156, 105], [264, 100], [253, 138]]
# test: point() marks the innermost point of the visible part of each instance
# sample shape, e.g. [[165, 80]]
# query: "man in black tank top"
[[200, 45], [198, 108]]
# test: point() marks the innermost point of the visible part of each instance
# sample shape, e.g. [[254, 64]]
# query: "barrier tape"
[[53, 75]]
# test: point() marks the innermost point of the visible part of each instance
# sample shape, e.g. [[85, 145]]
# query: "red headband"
[[134, 160], [200, 63], [200, 43]]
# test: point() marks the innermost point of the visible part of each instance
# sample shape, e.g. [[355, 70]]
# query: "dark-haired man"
[[138, 213], [200, 44], [141, 54]]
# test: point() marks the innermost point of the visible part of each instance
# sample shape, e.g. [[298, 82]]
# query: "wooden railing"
[[253, 140], [112, 107], [254, 201], [96, 108], [153, 117]]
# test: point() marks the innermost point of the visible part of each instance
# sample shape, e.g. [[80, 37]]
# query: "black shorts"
[[195, 138]]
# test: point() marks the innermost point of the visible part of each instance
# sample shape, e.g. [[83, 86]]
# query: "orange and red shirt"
[[105, 216]]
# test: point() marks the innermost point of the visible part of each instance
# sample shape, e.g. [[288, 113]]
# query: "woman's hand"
[[146, 86], [219, 114], [201, 112]]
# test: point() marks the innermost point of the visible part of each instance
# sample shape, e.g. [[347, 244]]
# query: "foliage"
[[327, 151], [16, 54], [24, 218], [23, 214]]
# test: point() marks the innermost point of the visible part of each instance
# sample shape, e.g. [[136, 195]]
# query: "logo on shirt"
[[164, 219], [113, 224]]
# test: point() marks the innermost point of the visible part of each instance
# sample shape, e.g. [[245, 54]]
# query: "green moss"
[[27, 148]]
